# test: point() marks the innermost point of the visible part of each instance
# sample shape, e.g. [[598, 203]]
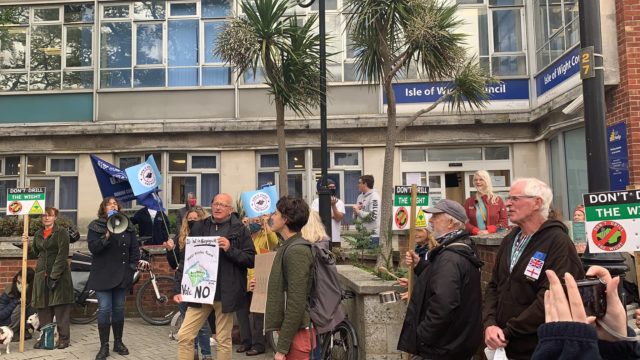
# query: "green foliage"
[[361, 240], [287, 49], [13, 225]]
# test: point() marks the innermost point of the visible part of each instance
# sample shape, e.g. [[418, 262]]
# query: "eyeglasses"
[[517, 198], [220, 205]]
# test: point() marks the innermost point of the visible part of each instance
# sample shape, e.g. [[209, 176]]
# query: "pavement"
[[145, 342]]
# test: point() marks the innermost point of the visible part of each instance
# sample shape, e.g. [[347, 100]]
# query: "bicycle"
[[153, 300], [341, 343]]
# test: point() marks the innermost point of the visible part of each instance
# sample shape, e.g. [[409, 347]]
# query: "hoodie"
[[443, 319], [514, 301]]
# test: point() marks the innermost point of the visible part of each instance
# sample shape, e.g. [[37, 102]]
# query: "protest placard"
[[263, 264], [612, 221], [200, 275]]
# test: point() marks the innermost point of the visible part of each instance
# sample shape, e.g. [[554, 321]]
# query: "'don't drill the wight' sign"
[[612, 221], [26, 201]]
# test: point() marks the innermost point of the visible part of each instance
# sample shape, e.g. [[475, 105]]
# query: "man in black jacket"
[[443, 320], [513, 306], [236, 256]]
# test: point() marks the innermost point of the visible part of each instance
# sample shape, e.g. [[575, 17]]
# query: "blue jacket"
[[7, 305]]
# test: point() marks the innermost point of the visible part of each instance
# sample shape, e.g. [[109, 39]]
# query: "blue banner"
[[429, 92], [559, 71], [259, 202], [144, 177], [112, 180], [618, 156]]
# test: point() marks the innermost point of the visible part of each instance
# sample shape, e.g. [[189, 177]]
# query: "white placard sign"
[[200, 273]]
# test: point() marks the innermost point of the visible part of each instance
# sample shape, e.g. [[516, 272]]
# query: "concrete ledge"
[[490, 239], [364, 283]]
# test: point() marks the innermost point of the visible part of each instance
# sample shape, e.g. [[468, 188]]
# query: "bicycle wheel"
[[341, 343], [156, 311], [86, 311]]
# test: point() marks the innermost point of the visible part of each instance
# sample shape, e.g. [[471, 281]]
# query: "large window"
[[158, 44], [495, 33], [557, 29], [9, 177], [182, 172], [568, 163], [59, 175], [345, 168], [47, 48]]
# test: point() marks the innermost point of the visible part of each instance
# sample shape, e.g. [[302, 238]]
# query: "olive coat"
[[52, 254]]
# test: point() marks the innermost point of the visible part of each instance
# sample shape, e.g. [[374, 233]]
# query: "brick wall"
[[623, 101], [9, 267]]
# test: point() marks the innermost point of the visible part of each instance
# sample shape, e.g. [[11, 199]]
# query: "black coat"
[[443, 319], [156, 229], [114, 259], [7, 305], [232, 264], [568, 340]]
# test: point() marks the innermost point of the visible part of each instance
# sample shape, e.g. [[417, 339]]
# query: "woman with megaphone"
[[113, 243]]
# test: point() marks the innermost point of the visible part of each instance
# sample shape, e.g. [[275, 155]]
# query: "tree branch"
[[399, 63], [416, 115]]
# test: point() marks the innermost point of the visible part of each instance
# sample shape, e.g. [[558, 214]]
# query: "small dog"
[[34, 321], [6, 335]]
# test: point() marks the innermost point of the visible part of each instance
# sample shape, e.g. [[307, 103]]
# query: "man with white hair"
[[443, 319], [514, 298]]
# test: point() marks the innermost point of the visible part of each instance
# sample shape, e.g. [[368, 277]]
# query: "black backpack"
[[324, 299]]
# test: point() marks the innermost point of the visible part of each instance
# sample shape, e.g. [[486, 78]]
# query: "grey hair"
[[456, 223], [537, 188]]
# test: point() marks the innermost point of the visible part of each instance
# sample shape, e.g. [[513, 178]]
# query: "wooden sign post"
[[25, 202]]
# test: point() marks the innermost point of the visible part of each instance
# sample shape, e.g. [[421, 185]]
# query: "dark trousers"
[[111, 305], [62, 314], [257, 328], [243, 320]]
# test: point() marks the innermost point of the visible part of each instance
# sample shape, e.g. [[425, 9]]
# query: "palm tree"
[[289, 52], [389, 37]]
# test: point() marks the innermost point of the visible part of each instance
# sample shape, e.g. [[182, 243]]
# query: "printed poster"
[[200, 274]]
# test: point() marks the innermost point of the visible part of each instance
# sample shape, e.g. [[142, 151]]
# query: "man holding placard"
[[236, 255]]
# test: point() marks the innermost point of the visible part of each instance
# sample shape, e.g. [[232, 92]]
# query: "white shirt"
[[335, 224]]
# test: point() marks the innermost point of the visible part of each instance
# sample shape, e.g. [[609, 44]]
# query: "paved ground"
[[145, 342]]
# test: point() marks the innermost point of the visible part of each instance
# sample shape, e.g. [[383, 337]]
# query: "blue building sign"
[[429, 92], [559, 71], [618, 156]]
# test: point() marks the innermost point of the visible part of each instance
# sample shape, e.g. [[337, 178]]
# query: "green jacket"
[[52, 255], [297, 264]]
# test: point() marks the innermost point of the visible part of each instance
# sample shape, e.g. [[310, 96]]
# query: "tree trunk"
[[283, 187], [386, 193]]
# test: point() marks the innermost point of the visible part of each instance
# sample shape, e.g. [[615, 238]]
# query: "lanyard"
[[517, 248]]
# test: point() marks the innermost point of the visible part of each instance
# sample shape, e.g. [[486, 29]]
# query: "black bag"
[[80, 261], [74, 235]]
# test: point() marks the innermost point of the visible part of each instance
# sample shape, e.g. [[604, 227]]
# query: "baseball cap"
[[449, 207]]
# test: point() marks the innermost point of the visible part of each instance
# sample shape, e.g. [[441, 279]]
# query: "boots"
[[103, 331], [118, 346]]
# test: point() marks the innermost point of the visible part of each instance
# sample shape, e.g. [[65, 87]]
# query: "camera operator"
[[115, 257], [570, 334]]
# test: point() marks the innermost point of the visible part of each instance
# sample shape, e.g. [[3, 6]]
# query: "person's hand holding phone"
[[616, 315]]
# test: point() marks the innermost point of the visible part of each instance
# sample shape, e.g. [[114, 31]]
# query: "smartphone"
[[594, 299]]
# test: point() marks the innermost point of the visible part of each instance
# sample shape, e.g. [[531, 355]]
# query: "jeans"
[[111, 305], [203, 334]]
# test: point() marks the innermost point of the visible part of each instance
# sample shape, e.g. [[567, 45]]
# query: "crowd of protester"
[[530, 309]]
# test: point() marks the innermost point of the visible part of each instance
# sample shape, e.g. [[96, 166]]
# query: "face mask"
[[191, 223], [333, 192], [254, 227], [111, 213], [192, 202], [19, 287]]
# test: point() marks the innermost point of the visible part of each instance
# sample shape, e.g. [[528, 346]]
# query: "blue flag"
[[151, 200], [144, 177], [260, 202], [112, 180]]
